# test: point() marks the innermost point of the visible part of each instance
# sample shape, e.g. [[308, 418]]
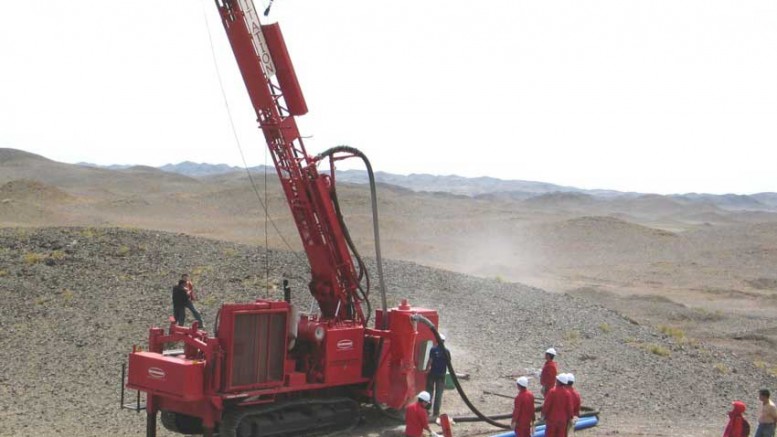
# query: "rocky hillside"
[[75, 300]]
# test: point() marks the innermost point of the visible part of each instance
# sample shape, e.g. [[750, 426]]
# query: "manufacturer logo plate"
[[156, 373], [345, 345]]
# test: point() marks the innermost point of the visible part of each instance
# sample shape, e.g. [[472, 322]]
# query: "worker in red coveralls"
[[417, 416], [735, 420], [576, 402], [557, 408], [523, 409], [549, 371]]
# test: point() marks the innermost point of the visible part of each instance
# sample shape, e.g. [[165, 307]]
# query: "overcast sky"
[[650, 96]]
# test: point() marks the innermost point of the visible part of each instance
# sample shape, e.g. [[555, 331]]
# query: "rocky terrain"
[[663, 305], [75, 300]]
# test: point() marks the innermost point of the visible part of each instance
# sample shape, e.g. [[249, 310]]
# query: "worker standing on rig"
[[179, 302], [190, 298], [549, 371], [523, 409], [416, 416], [435, 379]]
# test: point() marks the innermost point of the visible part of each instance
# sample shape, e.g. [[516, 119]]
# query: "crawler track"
[[293, 418]]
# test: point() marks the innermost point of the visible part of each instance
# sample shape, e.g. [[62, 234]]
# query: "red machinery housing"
[[269, 369]]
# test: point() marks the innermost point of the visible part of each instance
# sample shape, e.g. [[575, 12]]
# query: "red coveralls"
[[416, 420], [576, 401], [734, 426], [557, 410], [548, 375], [523, 413]]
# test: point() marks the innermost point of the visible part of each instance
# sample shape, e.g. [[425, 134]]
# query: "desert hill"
[[483, 187], [82, 180]]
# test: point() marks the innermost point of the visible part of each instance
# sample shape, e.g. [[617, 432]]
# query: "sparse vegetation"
[[200, 270], [33, 258], [704, 315], [123, 250], [573, 337], [3, 273], [676, 333], [721, 368], [657, 349], [605, 327], [67, 295], [230, 252], [761, 364]]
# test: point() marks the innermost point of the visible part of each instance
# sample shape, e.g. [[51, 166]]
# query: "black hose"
[[375, 227], [483, 417], [363, 273]]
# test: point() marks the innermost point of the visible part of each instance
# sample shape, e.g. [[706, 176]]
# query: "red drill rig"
[[268, 369]]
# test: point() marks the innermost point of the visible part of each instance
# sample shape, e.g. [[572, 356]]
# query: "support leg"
[[150, 423]]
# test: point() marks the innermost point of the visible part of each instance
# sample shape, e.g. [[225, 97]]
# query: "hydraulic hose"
[[483, 417], [376, 230], [363, 273]]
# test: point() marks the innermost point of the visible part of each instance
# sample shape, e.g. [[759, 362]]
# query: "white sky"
[[660, 96]]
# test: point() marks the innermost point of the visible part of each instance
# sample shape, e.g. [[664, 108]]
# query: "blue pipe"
[[539, 431]]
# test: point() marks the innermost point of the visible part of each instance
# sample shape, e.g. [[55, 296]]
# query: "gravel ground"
[[75, 300]]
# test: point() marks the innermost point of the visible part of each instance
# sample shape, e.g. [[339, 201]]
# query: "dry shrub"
[[657, 349], [33, 258], [67, 295], [721, 368], [123, 251], [676, 333]]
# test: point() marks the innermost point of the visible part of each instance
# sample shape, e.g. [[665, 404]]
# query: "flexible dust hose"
[[483, 417], [376, 230]]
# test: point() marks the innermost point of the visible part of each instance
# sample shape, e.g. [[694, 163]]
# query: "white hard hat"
[[522, 381], [570, 378], [442, 337], [562, 378], [424, 396], [551, 351]]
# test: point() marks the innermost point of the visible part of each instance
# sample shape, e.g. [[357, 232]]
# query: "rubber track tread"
[[232, 418]]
